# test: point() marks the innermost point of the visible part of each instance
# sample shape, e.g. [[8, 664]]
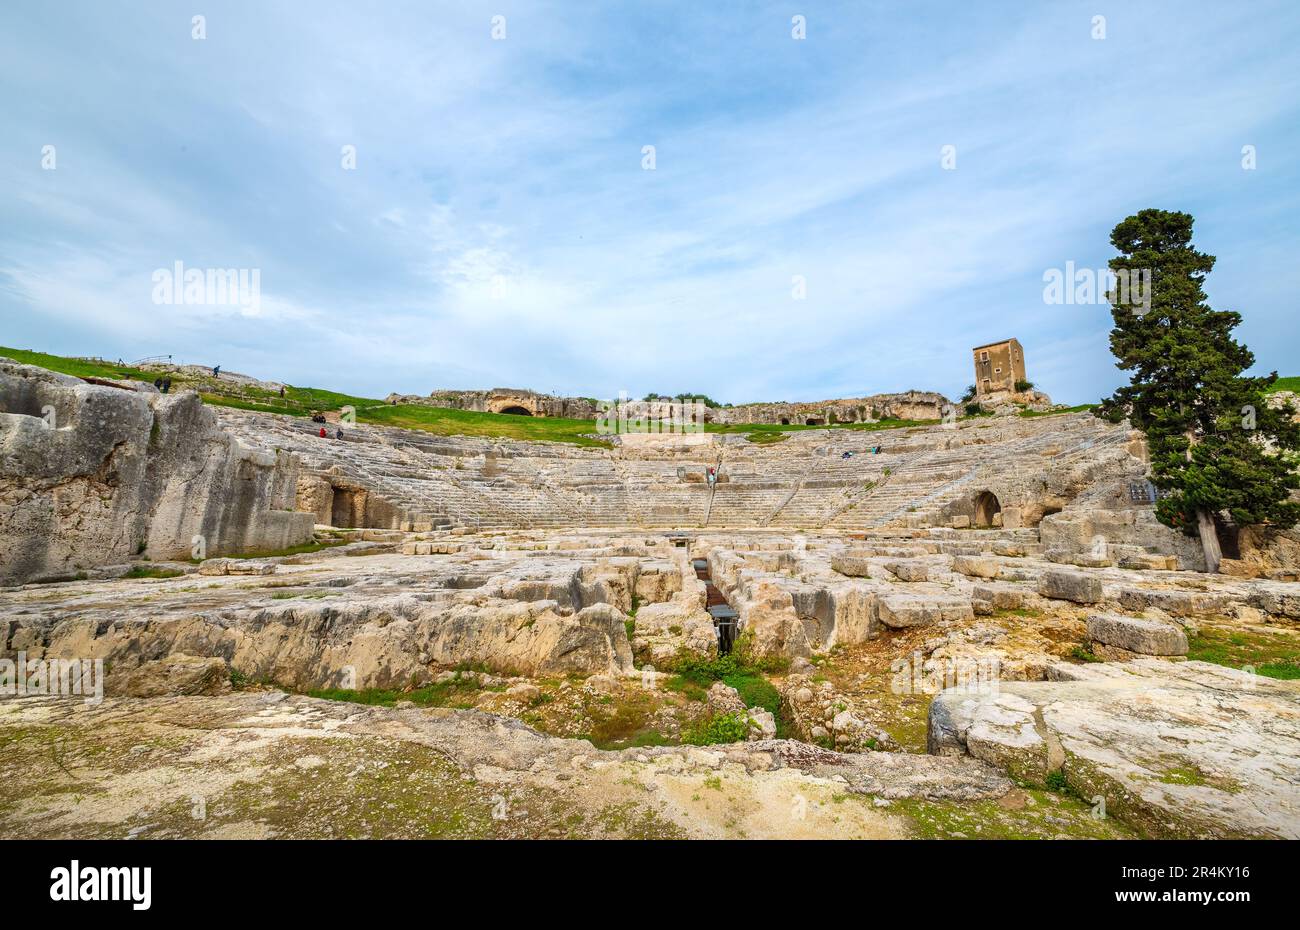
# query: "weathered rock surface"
[[176, 674], [977, 566], [96, 475], [1174, 749], [378, 643], [271, 765], [906, 610], [1071, 586], [1137, 634], [820, 715]]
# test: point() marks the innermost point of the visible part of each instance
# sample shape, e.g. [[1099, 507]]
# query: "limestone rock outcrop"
[[378, 643], [93, 474], [1137, 635], [1174, 749]]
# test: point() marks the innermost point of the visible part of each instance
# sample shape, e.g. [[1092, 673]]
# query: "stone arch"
[[516, 410], [987, 506], [785, 421], [813, 421]]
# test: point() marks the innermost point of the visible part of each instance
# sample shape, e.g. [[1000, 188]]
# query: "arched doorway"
[[986, 507], [518, 411]]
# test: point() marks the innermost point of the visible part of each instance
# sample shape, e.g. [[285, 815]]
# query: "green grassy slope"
[[468, 423], [301, 402], [81, 368]]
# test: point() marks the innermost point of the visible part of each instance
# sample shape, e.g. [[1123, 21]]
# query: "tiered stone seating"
[[804, 482]]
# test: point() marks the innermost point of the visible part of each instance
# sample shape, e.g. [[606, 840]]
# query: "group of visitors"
[[163, 384], [319, 417]]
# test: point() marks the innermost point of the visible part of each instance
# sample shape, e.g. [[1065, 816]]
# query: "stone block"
[[1138, 635], [1078, 587]]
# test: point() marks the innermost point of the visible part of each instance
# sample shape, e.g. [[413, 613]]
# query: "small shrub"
[[1084, 654], [743, 651], [705, 669], [691, 690], [720, 728], [755, 691]]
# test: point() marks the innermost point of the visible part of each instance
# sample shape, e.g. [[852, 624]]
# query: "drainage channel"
[[724, 615]]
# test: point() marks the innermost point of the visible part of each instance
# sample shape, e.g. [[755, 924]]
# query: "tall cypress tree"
[[1216, 446]]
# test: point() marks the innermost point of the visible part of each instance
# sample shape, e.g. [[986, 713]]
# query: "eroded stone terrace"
[[921, 474], [965, 630], [577, 635]]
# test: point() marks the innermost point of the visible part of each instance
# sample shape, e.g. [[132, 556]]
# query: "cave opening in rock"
[[348, 507], [518, 411], [986, 507]]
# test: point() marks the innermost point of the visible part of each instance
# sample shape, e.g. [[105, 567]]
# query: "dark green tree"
[[1216, 446]]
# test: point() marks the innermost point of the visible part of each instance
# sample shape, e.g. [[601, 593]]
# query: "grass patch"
[[755, 691], [624, 724], [1084, 654], [1017, 612], [695, 674], [303, 401], [1078, 408], [1192, 775], [447, 422], [78, 367], [720, 728], [688, 688], [1044, 815], [1274, 655], [1184, 775], [218, 400], [1285, 384]]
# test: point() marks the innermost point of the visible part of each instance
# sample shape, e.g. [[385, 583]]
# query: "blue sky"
[[499, 228]]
